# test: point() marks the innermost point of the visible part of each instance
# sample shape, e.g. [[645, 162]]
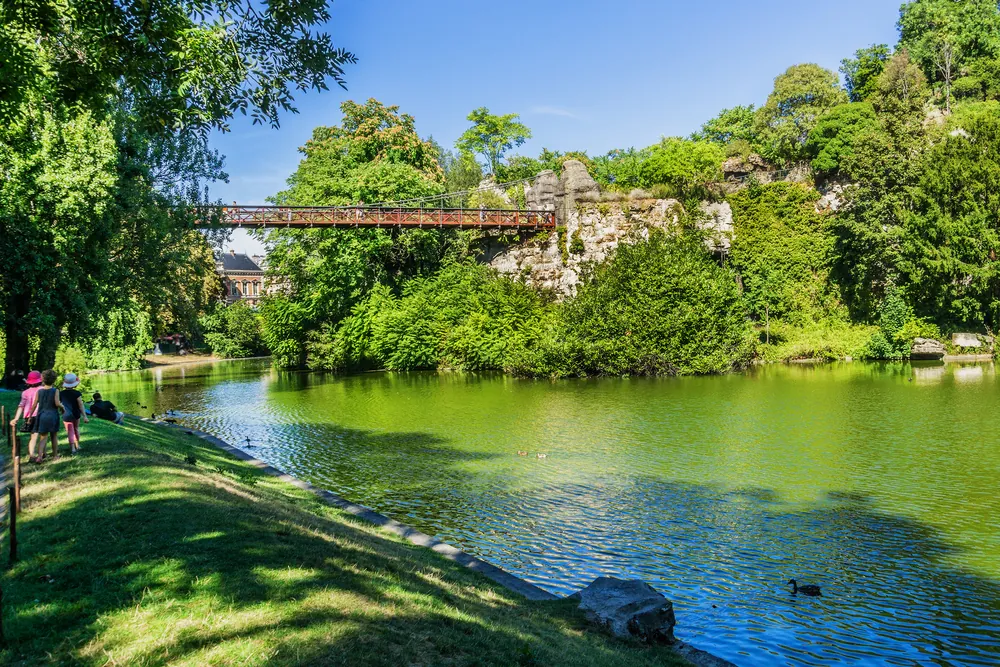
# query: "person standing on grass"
[[26, 408], [48, 415], [72, 405]]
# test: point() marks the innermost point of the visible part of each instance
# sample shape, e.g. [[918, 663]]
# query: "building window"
[[256, 287], [233, 288], [246, 290]]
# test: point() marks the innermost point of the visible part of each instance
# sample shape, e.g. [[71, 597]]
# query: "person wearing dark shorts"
[[48, 415]]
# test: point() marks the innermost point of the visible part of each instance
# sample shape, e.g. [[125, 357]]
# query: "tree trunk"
[[16, 353], [45, 357]]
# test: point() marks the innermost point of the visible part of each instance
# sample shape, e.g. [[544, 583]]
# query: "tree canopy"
[[493, 136], [104, 114], [861, 72], [801, 95]]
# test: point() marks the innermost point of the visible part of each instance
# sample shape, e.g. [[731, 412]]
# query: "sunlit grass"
[[131, 556]]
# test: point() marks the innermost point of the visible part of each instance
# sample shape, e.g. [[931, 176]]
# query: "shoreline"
[[511, 582]]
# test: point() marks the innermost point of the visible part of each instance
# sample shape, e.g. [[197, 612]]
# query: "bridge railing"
[[380, 216]]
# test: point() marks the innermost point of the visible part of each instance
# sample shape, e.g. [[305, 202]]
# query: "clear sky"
[[583, 75]]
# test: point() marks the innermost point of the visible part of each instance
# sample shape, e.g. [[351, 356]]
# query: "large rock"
[[577, 185], [927, 349], [629, 609], [717, 221], [965, 340], [542, 194]]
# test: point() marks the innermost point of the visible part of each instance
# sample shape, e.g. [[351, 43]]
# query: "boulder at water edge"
[[926, 349], [965, 340], [629, 609]]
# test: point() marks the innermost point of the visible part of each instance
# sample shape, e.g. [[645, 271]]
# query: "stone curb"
[[693, 655]]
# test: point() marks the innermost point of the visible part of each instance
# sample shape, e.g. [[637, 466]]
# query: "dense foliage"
[[104, 117], [233, 332], [659, 306]]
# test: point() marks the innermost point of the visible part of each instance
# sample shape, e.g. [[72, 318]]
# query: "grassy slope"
[[157, 561]]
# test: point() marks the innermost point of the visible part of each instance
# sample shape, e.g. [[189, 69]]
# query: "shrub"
[[464, 317], [660, 306], [968, 88]]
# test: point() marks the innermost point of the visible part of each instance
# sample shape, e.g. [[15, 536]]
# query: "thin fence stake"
[[16, 487], [12, 518]]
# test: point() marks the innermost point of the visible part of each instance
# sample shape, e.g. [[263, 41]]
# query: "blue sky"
[[583, 75]]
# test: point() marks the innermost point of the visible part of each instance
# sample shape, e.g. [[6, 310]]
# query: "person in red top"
[[26, 408]]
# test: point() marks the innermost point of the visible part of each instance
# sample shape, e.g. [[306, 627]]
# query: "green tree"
[[735, 124], [179, 64], [951, 238], [801, 95], [861, 72], [620, 169], [884, 164], [493, 136], [686, 168], [943, 35], [103, 124], [831, 143], [233, 332]]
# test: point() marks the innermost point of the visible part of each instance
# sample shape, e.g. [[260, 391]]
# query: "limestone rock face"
[[965, 340], [589, 232], [927, 349], [627, 609], [736, 166], [577, 185], [542, 194], [718, 222]]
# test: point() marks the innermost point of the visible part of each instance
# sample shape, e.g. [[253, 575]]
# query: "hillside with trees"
[[906, 138]]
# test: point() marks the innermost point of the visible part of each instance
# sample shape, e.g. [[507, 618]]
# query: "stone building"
[[243, 277]]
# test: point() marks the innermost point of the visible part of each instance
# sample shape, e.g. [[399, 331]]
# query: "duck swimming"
[[541, 456], [808, 589], [521, 453]]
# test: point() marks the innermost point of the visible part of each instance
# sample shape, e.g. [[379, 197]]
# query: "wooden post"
[[12, 518], [16, 486]]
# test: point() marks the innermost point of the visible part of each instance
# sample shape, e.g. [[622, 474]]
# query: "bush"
[[968, 88], [464, 317], [659, 307]]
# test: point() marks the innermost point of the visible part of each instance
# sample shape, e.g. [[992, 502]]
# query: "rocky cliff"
[[590, 226]]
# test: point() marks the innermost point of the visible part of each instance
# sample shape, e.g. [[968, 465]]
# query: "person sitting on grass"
[[72, 404], [106, 410]]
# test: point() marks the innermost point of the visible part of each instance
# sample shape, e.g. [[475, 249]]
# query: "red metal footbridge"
[[385, 216]]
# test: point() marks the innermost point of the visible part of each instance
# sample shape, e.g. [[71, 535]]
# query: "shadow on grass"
[[131, 556]]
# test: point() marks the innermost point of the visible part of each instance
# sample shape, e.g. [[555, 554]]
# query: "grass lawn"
[[130, 555]]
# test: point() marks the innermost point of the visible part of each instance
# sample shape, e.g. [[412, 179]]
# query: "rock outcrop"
[[966, 340], [629, 609], [717, 221], [927, 349], [542, 195], [587, 234], [577, 184]]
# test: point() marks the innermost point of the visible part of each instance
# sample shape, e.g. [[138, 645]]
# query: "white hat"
[[70, 380]]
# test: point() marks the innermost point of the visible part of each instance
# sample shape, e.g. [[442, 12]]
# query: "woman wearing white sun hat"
[[72, 404]]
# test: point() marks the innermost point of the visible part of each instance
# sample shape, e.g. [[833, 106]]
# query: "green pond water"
[[878, 482]]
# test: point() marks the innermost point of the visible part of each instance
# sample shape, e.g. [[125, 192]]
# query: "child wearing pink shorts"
[[72, 404]]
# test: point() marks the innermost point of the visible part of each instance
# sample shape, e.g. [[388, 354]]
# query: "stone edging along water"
[[696, 656]]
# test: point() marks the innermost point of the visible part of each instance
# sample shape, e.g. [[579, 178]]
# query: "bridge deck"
[[380, 216]]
